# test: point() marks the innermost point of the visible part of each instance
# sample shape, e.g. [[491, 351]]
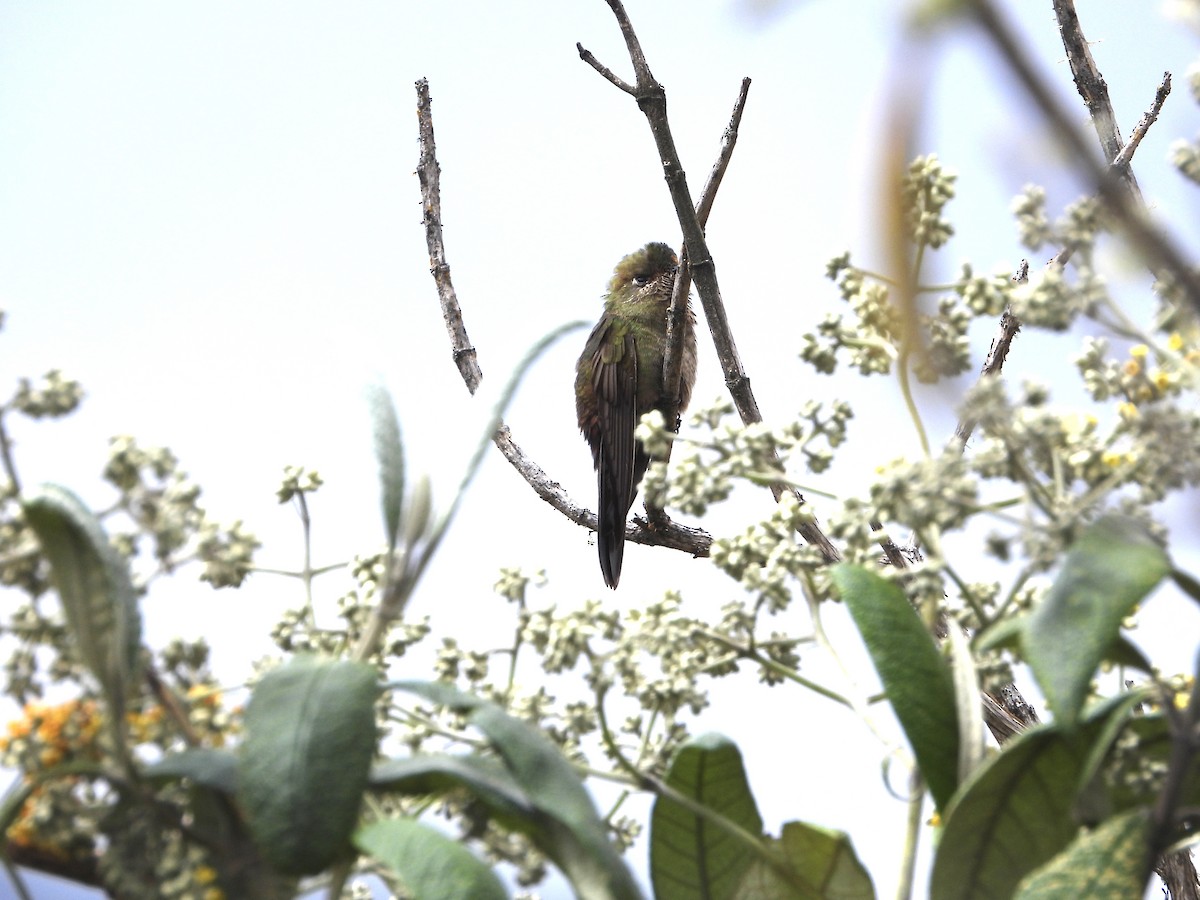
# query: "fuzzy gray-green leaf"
[[917, 679], [389, 453], [95, 586], [431, 865], [303, 767], [1109, 570]]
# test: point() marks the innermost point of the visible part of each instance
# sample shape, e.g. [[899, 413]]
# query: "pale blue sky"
[[208, 214]]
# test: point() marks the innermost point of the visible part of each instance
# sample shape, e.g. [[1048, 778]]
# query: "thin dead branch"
[[429, 174], [1125, 157], [1092, 88], [1160, 252], [673, 350]]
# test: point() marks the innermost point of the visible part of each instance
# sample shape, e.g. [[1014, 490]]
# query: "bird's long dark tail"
[[610, 526], [618, 488]]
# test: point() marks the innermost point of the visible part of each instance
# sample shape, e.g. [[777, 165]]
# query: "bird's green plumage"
[[619, 379]]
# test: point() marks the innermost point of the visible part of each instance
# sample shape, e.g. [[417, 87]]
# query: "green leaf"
[[691, 856], [95, 586], [1007, 634], [579, 844], [972, 742], [302, 769], [827, 859], [1016, 812], [1187, 583], [1111, 862], [439, 692], [438, 773], [431, 865], [820, 857], [917, 680], [563, 823], [1111, 567], [204, 765], [389, 453]]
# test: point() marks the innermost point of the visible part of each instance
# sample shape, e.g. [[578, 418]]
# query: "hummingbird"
[[619, 378]]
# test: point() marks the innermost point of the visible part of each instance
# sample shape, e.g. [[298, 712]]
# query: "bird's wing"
[[614, 377]]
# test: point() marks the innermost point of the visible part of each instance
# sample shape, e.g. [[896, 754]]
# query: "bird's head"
[[648, 270]]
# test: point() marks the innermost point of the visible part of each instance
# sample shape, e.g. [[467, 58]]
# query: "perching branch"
[[665, 534], [652, 101]]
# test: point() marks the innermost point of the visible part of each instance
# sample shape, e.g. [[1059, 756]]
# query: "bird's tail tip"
[[611, 556]]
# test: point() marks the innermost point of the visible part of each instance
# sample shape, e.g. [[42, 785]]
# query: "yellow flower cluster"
[[1148, 376], [1143, 383], [54, 733], [45, 736], [24, 831]]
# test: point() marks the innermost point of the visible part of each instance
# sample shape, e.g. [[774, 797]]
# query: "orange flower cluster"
[[53, 734]]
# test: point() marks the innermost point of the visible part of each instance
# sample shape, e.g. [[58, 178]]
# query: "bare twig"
[[893, 555], [1125, 157], [609, 75], [1120, 164], [429, 175], [664, 534], [1009, 718], [1092, 87], [728, 141], [1178, 873], [652, 101], [997, 354], [673, 349]]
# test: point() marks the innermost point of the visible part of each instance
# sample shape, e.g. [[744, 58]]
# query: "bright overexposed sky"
[[209, 215]]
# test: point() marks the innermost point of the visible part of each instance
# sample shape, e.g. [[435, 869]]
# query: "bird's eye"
[[641, 280]]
